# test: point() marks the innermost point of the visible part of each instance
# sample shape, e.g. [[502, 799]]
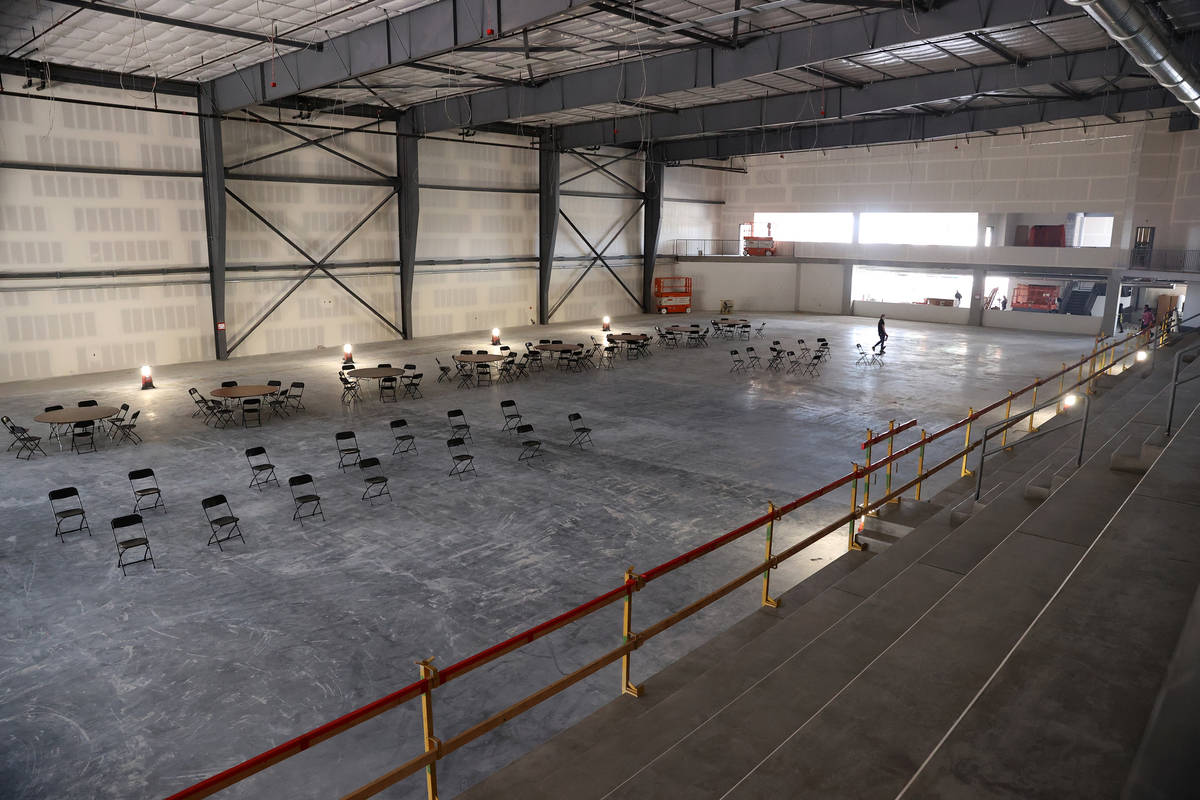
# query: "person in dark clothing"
[[1004, 302], [957, 298], [1147, 317], [882, 337]]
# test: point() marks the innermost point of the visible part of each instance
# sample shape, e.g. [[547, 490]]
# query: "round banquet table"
[[557, 348], [69, 416], [249, 390], [629, 337], [478, 358], [375, 372], [684, 328], [727, 321]]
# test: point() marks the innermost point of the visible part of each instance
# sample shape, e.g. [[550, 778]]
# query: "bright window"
[[1094, 230], [806, 227], [885, 285], [957, 229]]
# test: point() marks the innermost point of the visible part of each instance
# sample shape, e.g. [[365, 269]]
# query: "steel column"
[[408, 209], [548, 172], [212, 165], [651, 226]]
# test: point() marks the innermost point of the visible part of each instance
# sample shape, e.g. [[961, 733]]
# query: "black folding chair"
[[465, 374], [376, 481], [458, 424], [115, 420], [530, 447], [23, 440], [347, 446], [131, 543], [412, 385], [761, 331], [145, 488], [276, 386], [752, 359], [278, 403], [126, 429], [582, 435], [219, 412], [736, 362], [443, 370], [350, 391], [483, 374], [252, 410], [83, 437], [776, 359], [262, 471], [389, 386], [405, 441], [295, 392], [304, 494], [66, 506], [461, 460], [201, 403], [224, 525], [512, 417]]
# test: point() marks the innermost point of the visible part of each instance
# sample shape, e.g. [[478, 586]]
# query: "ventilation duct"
[[1128, 23]]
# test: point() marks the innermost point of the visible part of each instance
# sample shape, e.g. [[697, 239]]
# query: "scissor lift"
[[673, 295]]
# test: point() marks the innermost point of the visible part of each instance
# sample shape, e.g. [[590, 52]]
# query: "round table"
[[628, 337], [69, 416], [557, 348], [249, 390], [478, 358], [684, 328], [728, 321], [375, 372]]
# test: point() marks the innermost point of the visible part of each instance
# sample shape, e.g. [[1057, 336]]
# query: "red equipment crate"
[[673, 295]]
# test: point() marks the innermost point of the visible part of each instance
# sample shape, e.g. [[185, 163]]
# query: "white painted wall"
[[820, 288], [1048, 323], [911, 311], [751, 285]]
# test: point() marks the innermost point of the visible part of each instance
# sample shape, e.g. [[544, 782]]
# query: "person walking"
[[957, 298], [882, 337], [1004, 303], [1147, 317]]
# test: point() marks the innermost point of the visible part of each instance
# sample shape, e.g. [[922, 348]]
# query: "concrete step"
[[893, 521]]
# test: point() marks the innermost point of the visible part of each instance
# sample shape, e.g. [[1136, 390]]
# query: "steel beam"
[[829, 104], [440, 27], [914, 127], [318, 143], [97, 77], [704, 67], [306, 143], [408, 211], [212, 165], [548, 189], [651, 226]]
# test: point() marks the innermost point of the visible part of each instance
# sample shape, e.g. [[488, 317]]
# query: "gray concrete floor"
[[137, 686]]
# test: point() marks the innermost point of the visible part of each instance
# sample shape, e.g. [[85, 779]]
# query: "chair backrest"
[[142, 474], [465, 353], [275, 384], [410, 367], [415, 378], [481, 352], [194, 393], [483, 367], [84, 428], [133, 418], [384, 366], [49, 408], [342, 436], [504, 349], [454, 415], [544, 341], [87, 404], [368, 463], [254, 452], [556, 341], [299, 480], [251, 404], [439, 362], [125, 521], [388, 380], [297, 387], [8, 423], [215, 500], [397, 424], [225, 384], [507, 404], [64, 493], [574, 417], [455, 442], [123, 410], [733, 353], [524, 429]]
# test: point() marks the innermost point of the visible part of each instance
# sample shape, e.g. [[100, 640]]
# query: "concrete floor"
[[138, 686]]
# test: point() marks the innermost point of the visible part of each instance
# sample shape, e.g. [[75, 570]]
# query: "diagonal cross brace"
[[316, 142], [603, 168], [317, 265], [591, 264], [599, 255], [630, 154], [306, 143]]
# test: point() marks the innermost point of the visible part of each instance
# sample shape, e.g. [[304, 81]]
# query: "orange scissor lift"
[[673, 295]]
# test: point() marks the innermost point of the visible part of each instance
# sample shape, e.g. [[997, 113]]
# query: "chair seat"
[[531, 443], [307, 498], [223, 521], [582, 430], [375, 479], [404, 437], [144, 492], [70, 512], [262, 467], [463, 457], [128, 543], [348, 450]]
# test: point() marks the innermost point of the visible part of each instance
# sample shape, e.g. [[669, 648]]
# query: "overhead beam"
[[61, 73], [704, 67], [176, 22], [912, 128], [440, 27], [983, 40], [827, 104]]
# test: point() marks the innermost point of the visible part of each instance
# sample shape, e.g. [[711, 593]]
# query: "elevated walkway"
[[1012, 649]]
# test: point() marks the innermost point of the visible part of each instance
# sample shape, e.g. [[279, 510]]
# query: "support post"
[[627, 686], [767, 600], [432, 744], [1036, 381], [867, 478], [967, 443], [891, 441], [853, 543], [1112, 300], [212, 166], [408, 210], [975, 312], [548, 172], [651, 225], [920, 464], [1007, 414]]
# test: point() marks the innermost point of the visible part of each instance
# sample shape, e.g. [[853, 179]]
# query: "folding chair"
[[823, 348], [703, 338], [412, 385], [66, 505], [145, 488], [376, 481], [224, 525], [744, 331], [461, 460], [761, 331], [388, 386], [530, 447], [115, 420], [252, 410], [228, 401], [505, 373], [262, 471], [606, 357], [465, 374], [643, 348], [83, 437], [405, 441], [805, 350], [443, 370], [483, 374], [25, 441], [134, 542], [521, 367], [582, 435], [278, 403], [458, 424], [219, 412], [295, 392], [126, 429], [736, 362], [57, 429], [512, 417], [813, 368], [14, 430], [776, 359], [752, 359], [865, 358], [275, 387], [535, 358], [350, 391], [347, 447], [200, 401], [302, 497]]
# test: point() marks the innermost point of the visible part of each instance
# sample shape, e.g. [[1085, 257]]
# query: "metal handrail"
[[634, 582], [1007, 423], [1176, 383]]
